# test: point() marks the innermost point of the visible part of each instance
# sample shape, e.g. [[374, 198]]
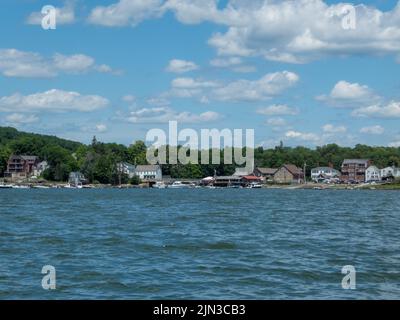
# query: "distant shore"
[[308, 186]]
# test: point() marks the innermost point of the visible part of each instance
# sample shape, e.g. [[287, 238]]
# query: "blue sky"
[[288, 69]]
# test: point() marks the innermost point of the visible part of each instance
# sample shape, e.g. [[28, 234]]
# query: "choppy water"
[[199, 244]]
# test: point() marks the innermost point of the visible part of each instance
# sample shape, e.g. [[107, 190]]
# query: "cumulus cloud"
[[346, 94], [126, 12], [277, 110], [390, 110], [276, 122], [310, 137], [233, 63], [165, 114], [289, 31], [270, 85], [25, 64], [101, 128], [377, 130], [297, 31], [52, 101], [18, 118], [181, 66], [330, 128], [64, 15]]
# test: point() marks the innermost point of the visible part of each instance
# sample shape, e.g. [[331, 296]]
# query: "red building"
[[353, 170], [20, 166]]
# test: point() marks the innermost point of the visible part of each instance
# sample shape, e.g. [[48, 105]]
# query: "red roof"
[[254, 178]]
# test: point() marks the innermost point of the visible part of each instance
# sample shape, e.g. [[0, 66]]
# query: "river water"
[[199, 243]]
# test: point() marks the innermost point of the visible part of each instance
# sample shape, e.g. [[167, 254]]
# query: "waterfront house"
[[289, 173], [20, 166], [267, 174], [372, 174], [228, 181], [321, 174], [390, 173], [126, 168], [149, 172], [353, 170], [251, 180], [76, 179]]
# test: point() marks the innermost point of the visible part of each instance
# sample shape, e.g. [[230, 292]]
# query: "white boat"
[[181, 185], [41, 187], [5, 186], [20, 187], [159, 185], [70, 186]]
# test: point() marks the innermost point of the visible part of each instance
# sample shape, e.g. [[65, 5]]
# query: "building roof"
[[293, 169], [228, 178], [324, 168], [254, 178], [356, 161], [26, 158], [267, 170], [143, 168]]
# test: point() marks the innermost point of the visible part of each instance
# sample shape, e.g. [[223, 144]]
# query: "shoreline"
[[308, 186]]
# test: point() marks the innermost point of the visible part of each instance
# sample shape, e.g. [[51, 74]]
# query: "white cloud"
[[289, 31], [277, 110], [233, 63], [165, 114], [373, 130], [126, 12], [189, 87], [101, 128], [18, 118], [297, 31], [390, 110], [276, 122], [270, 85], [329, 128], [311, 137], [128, 98], [181, 66], [52, 101], [24, 64], [346, 94], [73, 63], [64, 15], [226, 62]]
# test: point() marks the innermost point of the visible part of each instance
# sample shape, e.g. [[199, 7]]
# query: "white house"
[[324, 173], [387, 173], [127, 168], [373, 174], [149, 172]]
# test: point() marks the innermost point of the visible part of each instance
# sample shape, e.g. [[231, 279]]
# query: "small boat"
[[21, 187], [5, 186], [159, 185], [181, 185], [41, 187]]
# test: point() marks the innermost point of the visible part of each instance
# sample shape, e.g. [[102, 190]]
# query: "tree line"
[[98, 161]]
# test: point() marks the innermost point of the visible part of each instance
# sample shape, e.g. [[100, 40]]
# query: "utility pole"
[[304, 172]]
